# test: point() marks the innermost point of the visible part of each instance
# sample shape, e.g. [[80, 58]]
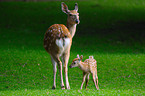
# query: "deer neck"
[[83, 66], [71, 28]]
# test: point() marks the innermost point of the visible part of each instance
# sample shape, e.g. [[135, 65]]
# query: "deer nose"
[[77, 21], [70, 66]]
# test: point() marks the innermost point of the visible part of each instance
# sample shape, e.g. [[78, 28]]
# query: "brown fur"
[[54, 32]]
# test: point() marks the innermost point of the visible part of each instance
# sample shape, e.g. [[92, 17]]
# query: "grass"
[[112, 31]]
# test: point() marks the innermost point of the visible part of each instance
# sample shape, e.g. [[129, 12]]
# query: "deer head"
[[73, 15], [76, 61]]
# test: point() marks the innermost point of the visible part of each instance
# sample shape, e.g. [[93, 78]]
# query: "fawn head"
[[76, 61], [73, 15]]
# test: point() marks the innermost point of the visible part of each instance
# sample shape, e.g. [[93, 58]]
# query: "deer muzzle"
[[70, 66], [77, 21]]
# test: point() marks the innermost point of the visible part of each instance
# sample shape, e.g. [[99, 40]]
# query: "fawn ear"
[[64, 8], [76, 7], [81, 57], [78, 56]]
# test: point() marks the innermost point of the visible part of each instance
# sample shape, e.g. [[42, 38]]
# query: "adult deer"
[[57, 42]]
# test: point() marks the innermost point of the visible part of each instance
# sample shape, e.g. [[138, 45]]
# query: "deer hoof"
[[53, 87], [68, 87], [62, 87]]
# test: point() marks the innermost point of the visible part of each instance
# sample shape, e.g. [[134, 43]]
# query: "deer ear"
[[64, 8], [81, 57], [78, 56], [76, 7]]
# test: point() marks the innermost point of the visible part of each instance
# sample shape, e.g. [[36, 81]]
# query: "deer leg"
[[87, 80], [94, 79], [54, 72], [65, 59], [61, 76], [60, 70], [84, 77], [97, 82]]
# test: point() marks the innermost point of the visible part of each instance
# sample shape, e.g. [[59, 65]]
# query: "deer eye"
[[70, 15]]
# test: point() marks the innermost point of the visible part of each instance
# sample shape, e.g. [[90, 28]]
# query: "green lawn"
[[112, 31]]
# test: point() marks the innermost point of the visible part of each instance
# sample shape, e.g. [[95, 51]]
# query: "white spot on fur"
[[59, 35]]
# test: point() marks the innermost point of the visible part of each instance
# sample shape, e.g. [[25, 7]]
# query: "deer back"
[[92, 64]]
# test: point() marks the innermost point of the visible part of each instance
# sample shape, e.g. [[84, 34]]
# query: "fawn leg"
[[94, 79], [84, 77], [87, 80], [97, 82]]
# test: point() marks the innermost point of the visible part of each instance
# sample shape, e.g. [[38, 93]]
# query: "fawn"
[[58, 40], [88, 66]]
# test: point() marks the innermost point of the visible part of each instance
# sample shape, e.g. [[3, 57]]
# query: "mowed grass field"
[[112, 31]]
